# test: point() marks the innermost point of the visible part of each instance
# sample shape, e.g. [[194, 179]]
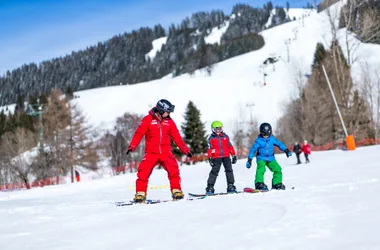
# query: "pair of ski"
[[191, 198]]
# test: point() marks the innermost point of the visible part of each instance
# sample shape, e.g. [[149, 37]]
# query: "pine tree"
[[280, 12], [3, 119], [32, 100], [269, 6], [319, 54], [175, 149], [20, 106], [44, 99], [194, 130], [69, 93]]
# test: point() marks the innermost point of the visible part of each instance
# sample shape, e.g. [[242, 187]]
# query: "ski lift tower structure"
[[250, 105]]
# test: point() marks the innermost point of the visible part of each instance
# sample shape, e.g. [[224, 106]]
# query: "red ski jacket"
[[219, 146], [157, 135], [306, 149]]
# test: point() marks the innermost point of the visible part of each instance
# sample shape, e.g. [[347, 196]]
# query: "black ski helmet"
[[163, 106], [265, 129]]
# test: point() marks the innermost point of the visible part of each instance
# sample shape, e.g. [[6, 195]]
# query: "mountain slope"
[[224, 95]]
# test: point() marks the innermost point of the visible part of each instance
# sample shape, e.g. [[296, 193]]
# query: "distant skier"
[[219, 151], [264, 145], [77, 175], [306, 150], [158, 128], [297, 150]]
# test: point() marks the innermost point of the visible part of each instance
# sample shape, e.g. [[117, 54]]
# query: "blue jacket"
[[265, 148]]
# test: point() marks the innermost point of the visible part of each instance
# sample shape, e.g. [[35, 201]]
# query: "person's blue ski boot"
[[210, 190], [231, 188], [278, 186], [261, 186]]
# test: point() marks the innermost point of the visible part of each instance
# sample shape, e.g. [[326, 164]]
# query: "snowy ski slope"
[[334, 206]]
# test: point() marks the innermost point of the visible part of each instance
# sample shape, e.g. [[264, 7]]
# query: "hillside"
[[123, 58], [234, 83]]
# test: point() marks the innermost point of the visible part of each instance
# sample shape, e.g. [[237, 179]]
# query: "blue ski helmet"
[[163, 106]]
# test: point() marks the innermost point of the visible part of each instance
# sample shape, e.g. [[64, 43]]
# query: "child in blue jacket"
[[264, 145]]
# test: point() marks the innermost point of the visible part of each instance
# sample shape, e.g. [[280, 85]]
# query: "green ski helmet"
[[217, 127]]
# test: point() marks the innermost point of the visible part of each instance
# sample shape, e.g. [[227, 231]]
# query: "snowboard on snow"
[[214, 194], [245, 190], [252, 190], [150, 201], [192, 197]]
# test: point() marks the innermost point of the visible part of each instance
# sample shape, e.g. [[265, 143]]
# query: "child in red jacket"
[[306, 151], [219, 151]]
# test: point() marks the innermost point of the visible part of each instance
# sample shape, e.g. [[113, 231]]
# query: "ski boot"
[[278, 186], [177, 194], [231, 188], [261, 186], [210, 190], [140, 197]]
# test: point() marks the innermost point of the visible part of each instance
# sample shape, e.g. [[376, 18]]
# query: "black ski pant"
[[307, 158], [298, 158], [216, 168]]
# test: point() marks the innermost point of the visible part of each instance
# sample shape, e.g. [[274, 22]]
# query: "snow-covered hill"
[[334, 206], [236, 83], [236, 90]]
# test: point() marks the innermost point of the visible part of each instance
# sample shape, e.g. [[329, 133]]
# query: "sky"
[[33, 31]]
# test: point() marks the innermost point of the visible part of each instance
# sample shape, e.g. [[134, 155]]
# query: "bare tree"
[[299, 77], [325, 4], [54, 158], [210, 58], [67, 137], [370, 25], [56, 115], [82, 150], [118, 140], [370, 88], [16, 152], [347, 21], [238, 138]]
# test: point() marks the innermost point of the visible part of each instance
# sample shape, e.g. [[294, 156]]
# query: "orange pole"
[[350, 141]]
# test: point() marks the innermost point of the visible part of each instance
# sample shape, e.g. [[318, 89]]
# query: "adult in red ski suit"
[[306, 150], [158, 128]]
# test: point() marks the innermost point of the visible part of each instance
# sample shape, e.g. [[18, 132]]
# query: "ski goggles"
[[217, 130]]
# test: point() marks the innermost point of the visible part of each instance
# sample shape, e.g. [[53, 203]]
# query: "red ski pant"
[[167, 161]]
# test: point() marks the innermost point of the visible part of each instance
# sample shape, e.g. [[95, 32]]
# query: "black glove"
[[130, 149], [234, 159], [189, 154], [288, 153], [249, 163], [211, 162]]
